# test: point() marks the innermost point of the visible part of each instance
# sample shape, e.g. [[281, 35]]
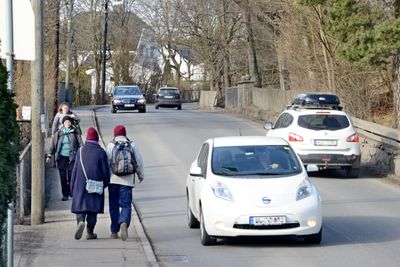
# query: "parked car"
[[251, 186], [320, 132], [168, 97], [128, 97]]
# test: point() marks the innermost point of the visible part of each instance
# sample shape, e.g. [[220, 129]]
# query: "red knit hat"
[[119, 130], [92, 134]]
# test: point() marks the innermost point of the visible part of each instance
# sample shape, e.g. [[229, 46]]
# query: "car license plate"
[[129, 105], [267, 220], [169, 96], [318, 142]]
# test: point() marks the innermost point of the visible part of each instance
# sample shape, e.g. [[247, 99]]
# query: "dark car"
[[168, 97], [128, 97]]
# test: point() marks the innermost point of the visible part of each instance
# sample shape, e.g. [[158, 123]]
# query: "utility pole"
[[37, 118], [70, 7], [104, 58]]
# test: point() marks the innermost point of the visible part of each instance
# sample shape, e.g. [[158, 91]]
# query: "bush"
[[9, 136]]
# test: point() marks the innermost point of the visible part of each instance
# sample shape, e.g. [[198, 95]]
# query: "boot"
[[124, 231], [79, 230], [114, 236], [90, 235]]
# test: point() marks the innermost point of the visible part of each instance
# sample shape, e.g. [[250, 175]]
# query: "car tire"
[[206, 239], [156, 106], [113, 110], [314, 238], [192, 221], [179, 107], [142, 110], [352, 172]]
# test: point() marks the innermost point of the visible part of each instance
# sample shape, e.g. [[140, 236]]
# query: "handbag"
[[92, 186]]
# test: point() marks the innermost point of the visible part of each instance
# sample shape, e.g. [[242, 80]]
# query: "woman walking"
[[65, 144], [63, 110], [91, 163]]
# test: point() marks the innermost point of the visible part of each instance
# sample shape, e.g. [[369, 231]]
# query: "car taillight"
[[353, 138], [295, 137]]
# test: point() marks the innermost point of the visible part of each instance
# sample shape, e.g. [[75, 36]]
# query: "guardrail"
[[23, 174]]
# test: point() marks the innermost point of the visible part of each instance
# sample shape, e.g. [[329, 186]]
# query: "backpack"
[[123, 161]]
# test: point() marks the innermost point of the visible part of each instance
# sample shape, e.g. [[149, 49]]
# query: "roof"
[[247, 141]]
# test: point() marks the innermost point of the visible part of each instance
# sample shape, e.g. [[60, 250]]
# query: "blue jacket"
[[96, 167]]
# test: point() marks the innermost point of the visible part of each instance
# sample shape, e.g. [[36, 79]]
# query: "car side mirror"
[[195, 171], [144, 94], [110, 94], [312, 168], [268, 125]]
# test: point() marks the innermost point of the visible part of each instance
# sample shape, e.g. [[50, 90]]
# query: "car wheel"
[[156, 106], [206, 240], [113, 110], [192, 221], [352, 172], [179, 107], [142, 110], [314, 238]]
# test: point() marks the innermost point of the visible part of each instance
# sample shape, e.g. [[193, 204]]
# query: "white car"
[[251, 186], [320, 132]]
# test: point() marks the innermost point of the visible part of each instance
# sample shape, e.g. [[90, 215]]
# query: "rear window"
[[323, 122], [169, 91]]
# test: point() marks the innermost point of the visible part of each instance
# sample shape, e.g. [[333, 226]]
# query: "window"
[[284, 121], [203, 159], [323, 122]]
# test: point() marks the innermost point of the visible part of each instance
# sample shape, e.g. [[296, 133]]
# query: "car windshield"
[[169, 91], [127, 91], [259, 161], [323, 122]]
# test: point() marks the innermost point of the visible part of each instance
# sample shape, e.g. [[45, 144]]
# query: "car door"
[[199, 181]]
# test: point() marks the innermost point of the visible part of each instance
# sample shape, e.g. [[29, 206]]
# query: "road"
[[361, 216]]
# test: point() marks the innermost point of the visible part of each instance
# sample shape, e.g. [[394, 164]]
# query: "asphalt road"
[[361, 216]]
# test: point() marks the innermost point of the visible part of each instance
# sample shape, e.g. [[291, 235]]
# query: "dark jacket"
[[74, 140], [96, 167]]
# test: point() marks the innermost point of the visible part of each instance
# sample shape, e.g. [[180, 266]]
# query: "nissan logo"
[[266, 200]]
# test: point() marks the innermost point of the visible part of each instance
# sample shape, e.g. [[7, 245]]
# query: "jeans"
[[120, 205], [65, 178]]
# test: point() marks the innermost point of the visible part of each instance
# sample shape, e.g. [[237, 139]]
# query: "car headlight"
[[117, 101], [304, 190], [141, 101], [222, 191]]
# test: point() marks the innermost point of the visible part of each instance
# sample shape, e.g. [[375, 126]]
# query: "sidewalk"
[[53, 243]]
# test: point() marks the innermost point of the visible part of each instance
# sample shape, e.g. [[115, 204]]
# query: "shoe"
[[79, 230], [114, 236], [64, 199], [124, 231], [90, 236]]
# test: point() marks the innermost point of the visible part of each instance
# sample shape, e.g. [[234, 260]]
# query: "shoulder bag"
[[92, 186]]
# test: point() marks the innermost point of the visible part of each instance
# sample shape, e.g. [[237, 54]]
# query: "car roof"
[[168, 88], [247, 141], [306, 111], [126, 86]]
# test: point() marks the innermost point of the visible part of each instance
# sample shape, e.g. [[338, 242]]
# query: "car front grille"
[[266, 227]]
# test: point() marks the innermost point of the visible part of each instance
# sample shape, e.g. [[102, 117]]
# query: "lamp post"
[[103, 59]]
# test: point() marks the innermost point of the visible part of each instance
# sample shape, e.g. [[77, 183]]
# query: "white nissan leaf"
[[251, 186]]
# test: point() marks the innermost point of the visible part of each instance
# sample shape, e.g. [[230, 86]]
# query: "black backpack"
[[123, 161]]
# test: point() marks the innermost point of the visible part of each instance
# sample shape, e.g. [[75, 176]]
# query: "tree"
[[370, 35]]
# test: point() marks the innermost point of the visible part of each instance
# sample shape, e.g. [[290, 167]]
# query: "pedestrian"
[[63, 110], [91, 163], [64, 146], [122, 181]]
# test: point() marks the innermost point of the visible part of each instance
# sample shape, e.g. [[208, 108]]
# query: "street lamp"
[[103, 59]]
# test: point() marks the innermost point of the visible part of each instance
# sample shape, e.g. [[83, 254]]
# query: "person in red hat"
[[64, 146], [91, 163], [125, 163]]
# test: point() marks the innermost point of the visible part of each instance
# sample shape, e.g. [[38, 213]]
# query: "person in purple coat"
[[86, 205]]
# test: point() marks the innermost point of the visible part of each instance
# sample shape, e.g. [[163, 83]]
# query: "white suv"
[[320, 132]]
